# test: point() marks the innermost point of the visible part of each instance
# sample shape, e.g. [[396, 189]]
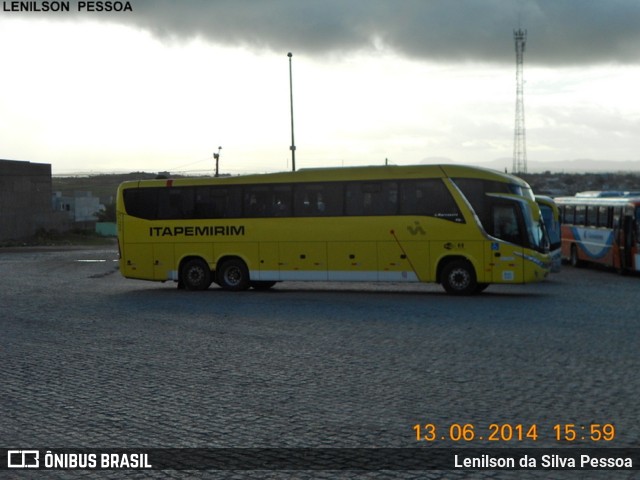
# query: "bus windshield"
[[551, 224], [512, 220], [538, 236], [494, 202]]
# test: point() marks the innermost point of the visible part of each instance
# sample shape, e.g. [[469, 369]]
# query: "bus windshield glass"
[[538, 237], [485, 196], [551, 225]]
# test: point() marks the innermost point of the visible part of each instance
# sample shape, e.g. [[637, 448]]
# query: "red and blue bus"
[[601, 230]]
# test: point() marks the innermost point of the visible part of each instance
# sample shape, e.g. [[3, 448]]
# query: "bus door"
[[506, 259], [636, 222], [636, 239], [620, 226], [629, 255]]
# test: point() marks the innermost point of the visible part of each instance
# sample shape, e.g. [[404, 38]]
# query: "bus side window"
[[281, 201], [267, 201], [580, 215], [568, 214], [230, 200], [604, 218], [256, 201], [330, 202], [142, 202], [592, 216], [616, 216], [372, 198], [204, 204], [428, 197], [175, 203], [318, 199], [218, 202]]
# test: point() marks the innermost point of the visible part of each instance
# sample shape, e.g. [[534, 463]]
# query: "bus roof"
[[601, 201], [607, 194], [341, 173]]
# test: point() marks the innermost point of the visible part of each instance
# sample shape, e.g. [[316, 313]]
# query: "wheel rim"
[[233, 276], [195, 275], [459, 279]]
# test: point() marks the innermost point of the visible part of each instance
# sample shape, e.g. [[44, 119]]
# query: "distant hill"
[[569, 166]]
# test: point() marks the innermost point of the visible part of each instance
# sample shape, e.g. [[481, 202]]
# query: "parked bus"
[[551, 218], [608, 193], [463, 227], [601, 230]]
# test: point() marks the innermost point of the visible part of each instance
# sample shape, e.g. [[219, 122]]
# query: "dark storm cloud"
[[559, 31]]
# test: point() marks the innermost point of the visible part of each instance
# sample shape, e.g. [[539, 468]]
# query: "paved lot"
[[91, 359]]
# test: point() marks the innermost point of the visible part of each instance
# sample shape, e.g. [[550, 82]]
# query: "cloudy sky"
[[412, 81]]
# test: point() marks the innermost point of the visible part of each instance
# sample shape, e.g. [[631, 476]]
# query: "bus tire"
[[459, 278], [233, 275], [262, 285], [195, 274], [574, 260]]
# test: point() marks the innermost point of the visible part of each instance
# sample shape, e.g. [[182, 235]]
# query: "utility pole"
[[293, 143], [520, 137], [216, 157]]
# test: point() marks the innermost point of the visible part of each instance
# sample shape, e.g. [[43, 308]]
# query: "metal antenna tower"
[[520, 137]]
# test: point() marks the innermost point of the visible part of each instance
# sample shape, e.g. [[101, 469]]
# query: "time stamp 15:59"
[[517, 432]]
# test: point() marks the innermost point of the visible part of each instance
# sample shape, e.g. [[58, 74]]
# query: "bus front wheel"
[[233, 275], [459, 278], [195, 275]]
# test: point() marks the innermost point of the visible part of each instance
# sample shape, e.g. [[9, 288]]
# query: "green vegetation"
[[556, 184]]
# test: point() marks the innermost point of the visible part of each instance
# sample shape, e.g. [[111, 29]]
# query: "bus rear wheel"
[[195, 275], [574, 260], [233, 275], [459, 278]]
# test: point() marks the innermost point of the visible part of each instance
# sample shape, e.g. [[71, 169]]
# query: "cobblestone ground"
[[92, 360]]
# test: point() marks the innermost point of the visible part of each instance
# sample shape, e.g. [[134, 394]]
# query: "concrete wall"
[[82, 207], [25, 200]]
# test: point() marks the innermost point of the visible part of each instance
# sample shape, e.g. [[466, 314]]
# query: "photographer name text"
[[53, 6]]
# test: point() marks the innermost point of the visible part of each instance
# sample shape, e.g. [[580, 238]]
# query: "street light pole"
[[216, 157], [293, 143]]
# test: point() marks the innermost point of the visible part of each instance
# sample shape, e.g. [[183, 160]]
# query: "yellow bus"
[[462, 227]]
